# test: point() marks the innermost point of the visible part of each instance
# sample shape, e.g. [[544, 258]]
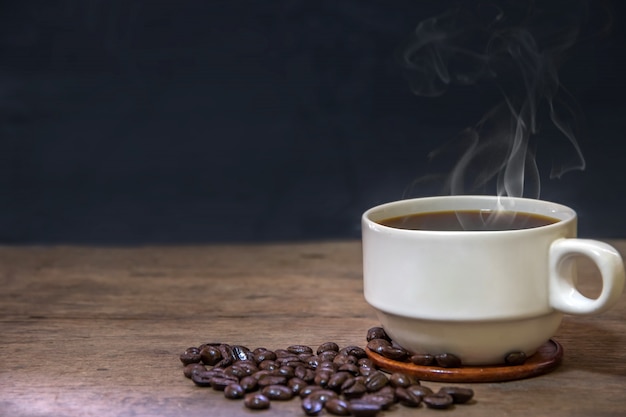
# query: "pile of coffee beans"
[[342, 381], [379, 342]]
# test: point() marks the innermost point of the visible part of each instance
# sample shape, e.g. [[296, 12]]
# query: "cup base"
[[547, 358], [474, 342]]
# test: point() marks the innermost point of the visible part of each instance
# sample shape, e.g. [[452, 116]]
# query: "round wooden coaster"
[[547, 358]]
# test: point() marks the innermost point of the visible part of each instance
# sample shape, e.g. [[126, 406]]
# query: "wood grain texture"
[[92, 331]]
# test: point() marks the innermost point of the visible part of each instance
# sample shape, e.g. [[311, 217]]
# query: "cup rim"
[[563, 213]]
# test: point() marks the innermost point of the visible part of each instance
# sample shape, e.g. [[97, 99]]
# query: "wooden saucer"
[[547, 358]]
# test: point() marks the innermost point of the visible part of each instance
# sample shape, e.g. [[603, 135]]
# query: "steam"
[[515, 53]]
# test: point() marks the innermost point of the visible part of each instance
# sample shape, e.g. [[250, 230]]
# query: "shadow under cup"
[[479, 295]]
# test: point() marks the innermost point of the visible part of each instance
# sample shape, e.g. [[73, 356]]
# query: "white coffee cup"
[[480, 294]]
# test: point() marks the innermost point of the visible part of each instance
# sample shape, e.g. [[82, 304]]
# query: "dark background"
[[131, 122]]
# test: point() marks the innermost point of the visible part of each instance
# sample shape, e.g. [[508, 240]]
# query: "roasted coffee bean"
[[286, 371], [408, 398], [377, 333], [438, 401], [351, 368], [190, 355], [261, 374], [227, 351], [306, 391], [359, 352], [376, 381], [193, 367], [322, 378], [327, 366], [312, 407], [256, 401], [260, 349], [340, 360], [328, 347], [249, 383], [234, 391], [296, 385], [322, 395], [387, 390], [378, 345], [420, 390], [363, 378], [272, 380], [249, 366], [313, 362], [263, 355], [242, 353], [355, 351], [353, 388], [360, 408], [268, 364], [366, 362], [300, 349], [366, 366], [398, 379], [235, 371], [447, 360], [210, 355], [337, 407], [423, 359], [306, 374], [281, 353], [224, 362], [219, 383], [389, 393], [329, 356], [277, 392], [214, 344], [515, 358], [337, 380], [217, 371], [292, 360], [396, 353], [203, 378], [383, 401], [459, 395], [305, 357]]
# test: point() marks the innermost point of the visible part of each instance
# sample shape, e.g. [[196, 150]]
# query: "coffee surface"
[[469, 220]]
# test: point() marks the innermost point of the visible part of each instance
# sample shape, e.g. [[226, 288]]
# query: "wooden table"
[[97, 331]]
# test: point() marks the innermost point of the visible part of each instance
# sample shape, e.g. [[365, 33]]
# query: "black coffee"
[[469, 220]]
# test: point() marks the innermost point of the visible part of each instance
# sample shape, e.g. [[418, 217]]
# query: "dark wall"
[[203, 121]]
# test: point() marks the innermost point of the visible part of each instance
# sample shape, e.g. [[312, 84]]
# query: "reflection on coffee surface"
[[469, 220]]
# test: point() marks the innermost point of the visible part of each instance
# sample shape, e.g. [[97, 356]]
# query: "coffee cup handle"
[[564, 296]]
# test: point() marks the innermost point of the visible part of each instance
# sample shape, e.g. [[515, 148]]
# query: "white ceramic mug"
[[480, 294]]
